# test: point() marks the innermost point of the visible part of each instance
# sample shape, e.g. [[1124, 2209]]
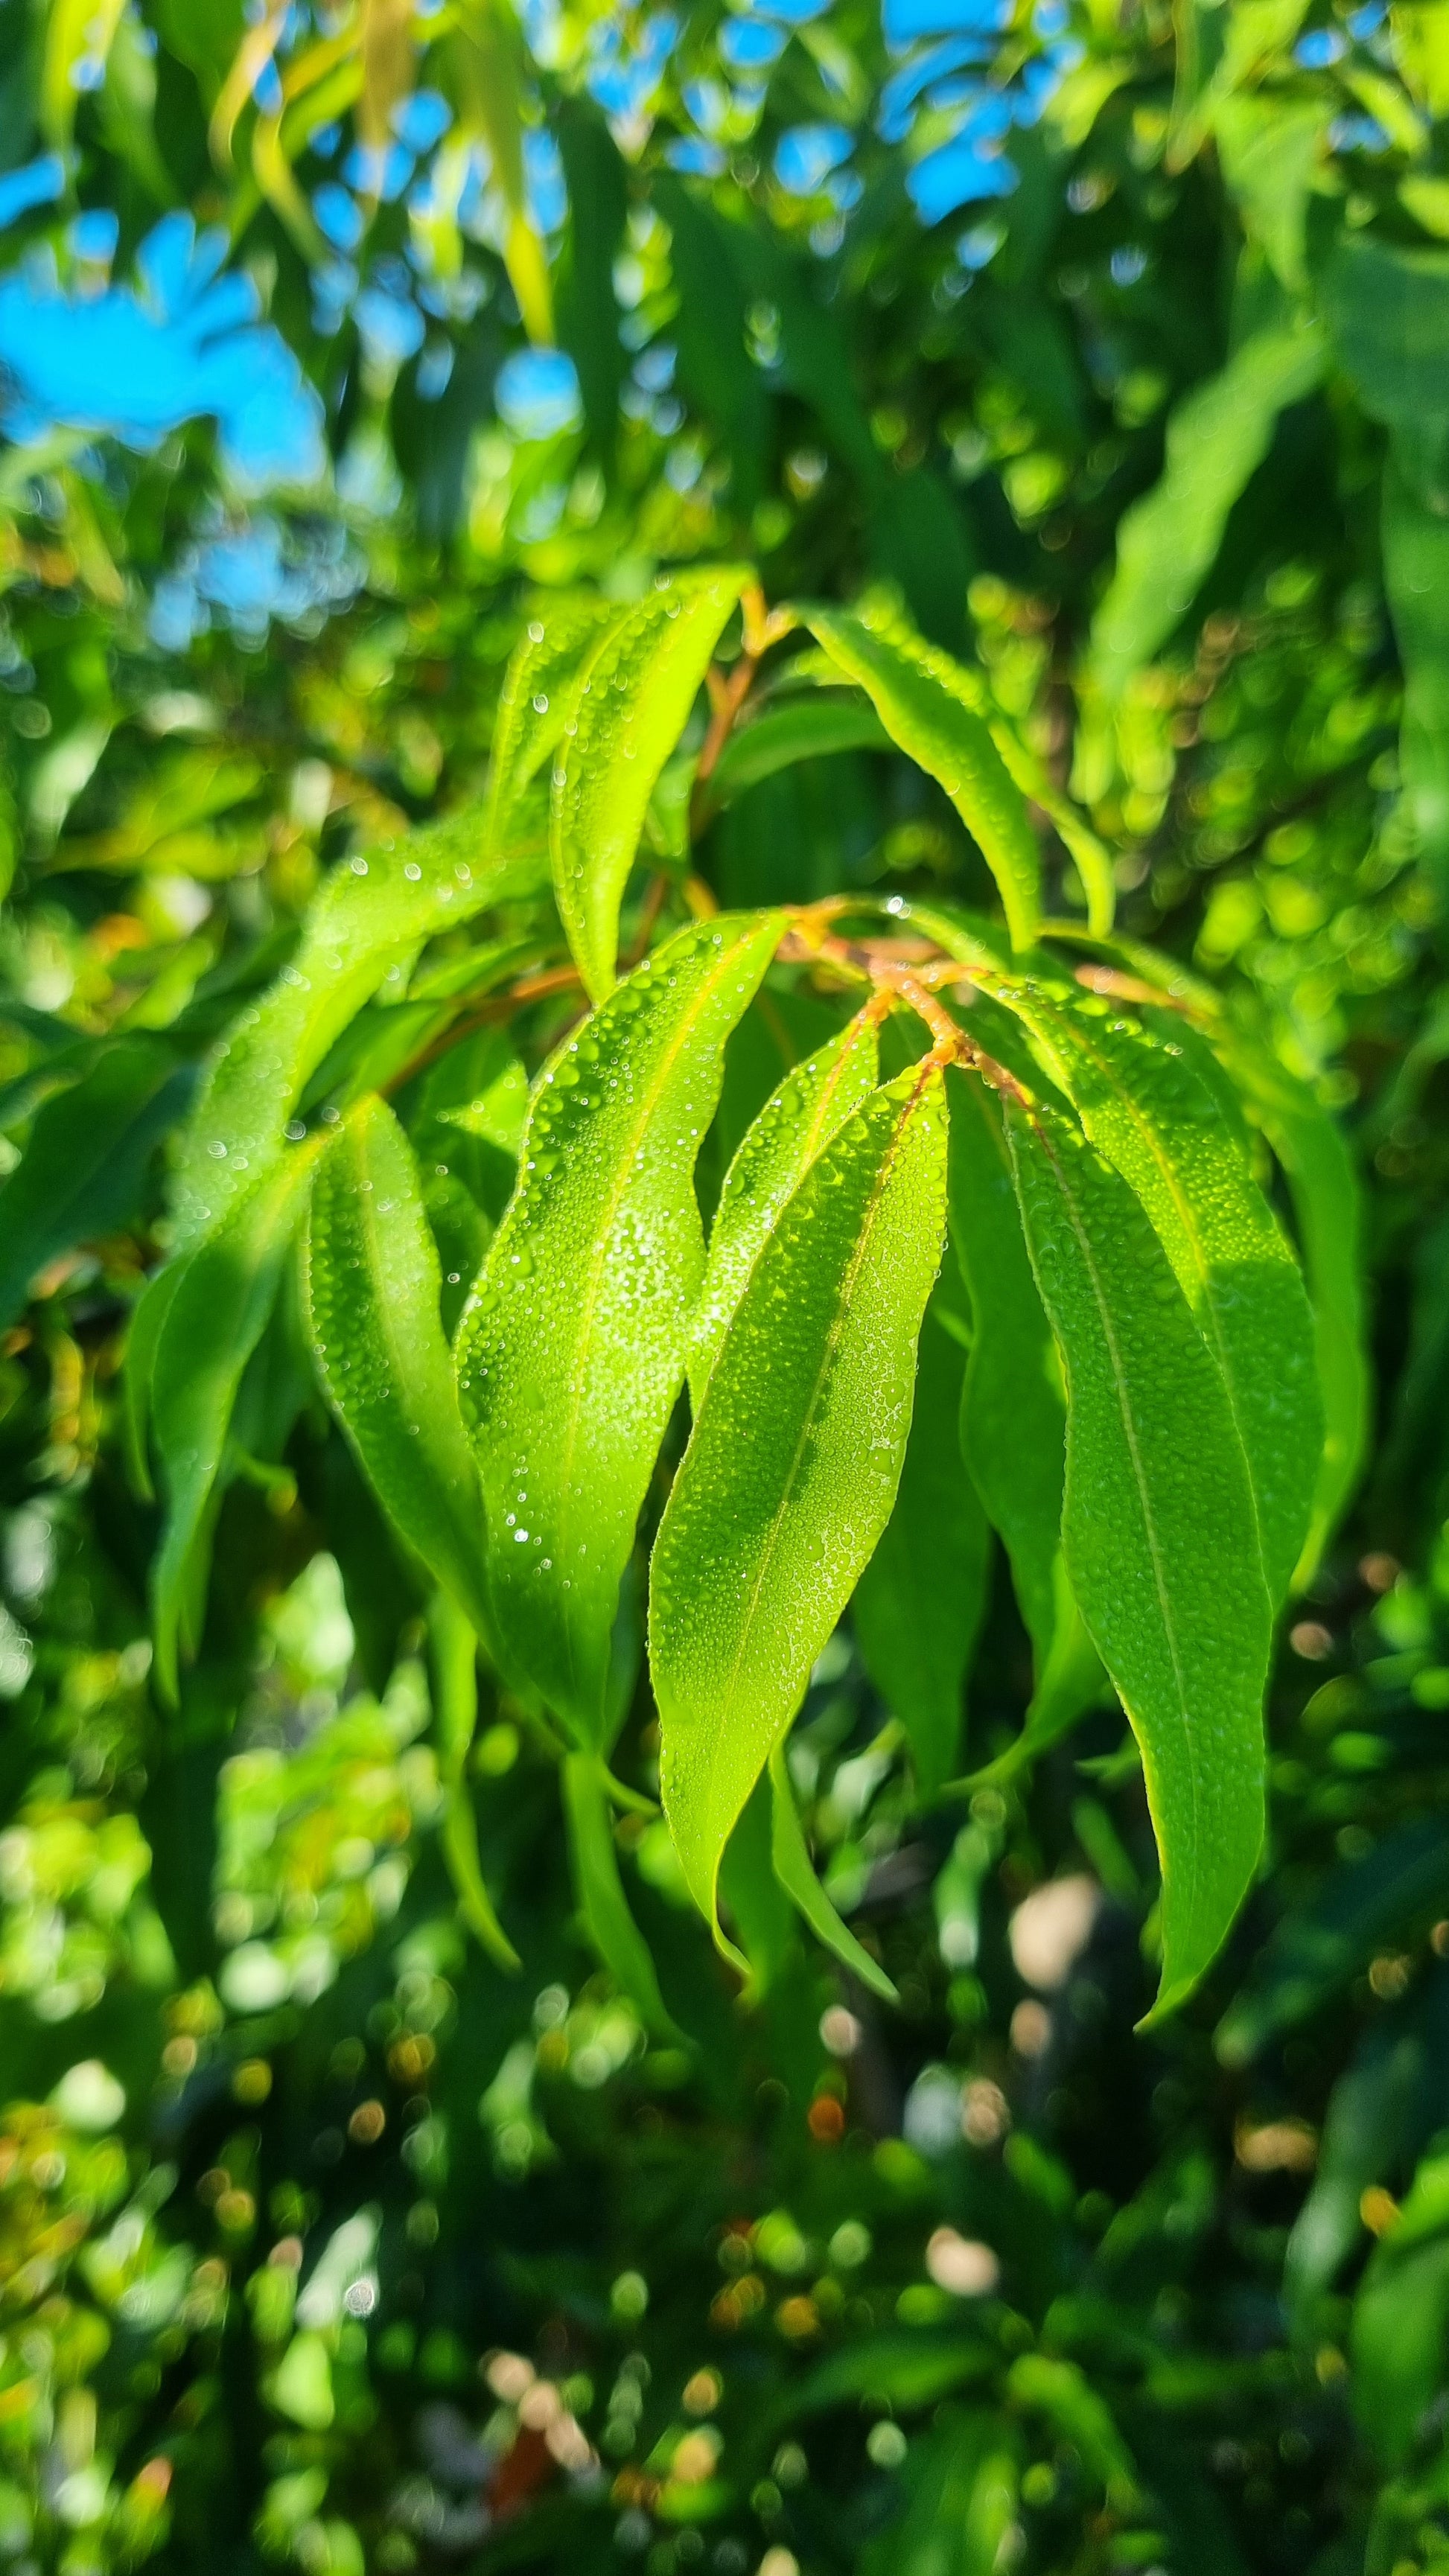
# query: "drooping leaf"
[[1328, 1210], [1013, 1418], [371, 915], [623, 717], [795, 1871], [1370, 2113], [762, 1916], [1145, 1104], [572, 1349], [85, 1159], [600, 1892], [372, 1289], [212, 1321], [455, 1709], [921, 1600], [796, 1123], [1158, 1529], [596, 177], [931, 707], [1168, 541], [793, 1463], [562, 631], [804, 728]]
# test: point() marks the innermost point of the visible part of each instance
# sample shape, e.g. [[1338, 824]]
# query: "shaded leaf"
[[623, 717], [920, 1603], [794, 1460], [1365, 1906], [1400, 2338], [805, 728], [1157, 1529], [602, 1902], [793, 1867], [85, 1159], [455, 1708], [572, 1348]]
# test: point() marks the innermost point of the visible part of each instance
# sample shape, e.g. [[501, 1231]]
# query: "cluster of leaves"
[[326, 2237]]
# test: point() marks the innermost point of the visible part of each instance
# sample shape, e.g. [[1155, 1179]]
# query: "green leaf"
[[792, 1468], [372, 1288], [1013, 1420], [933, 709], [1400, 2340], [212, 1321], [761, 1912], [602, 1902], [572, 1348], [1372, 2110], [562, 631], [455, 1707], [1140, 1091], [795, 1871], [796, 1123], [1271, 149], [804, 728], [85, 1160], [596, 177], [1168, 541], [1328, 1210], [1386, 1899], [622, 719], [371, 915], [1158, 1529], [920, 1603]]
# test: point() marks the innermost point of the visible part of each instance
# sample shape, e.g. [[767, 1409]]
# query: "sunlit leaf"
[[793, 1464], [212, 1321], [622, 719], [372, 914], [372, 1287], [572, 1350], [1158, 1529], [811, 1104], [929, 706], [533, 701]]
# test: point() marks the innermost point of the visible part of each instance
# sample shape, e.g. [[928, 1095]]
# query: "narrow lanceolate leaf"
[[1328, 1208], [602, 1902], [372, 1287], [85, 1160], [1146, 1107], [623, 717], [211, 1324], [797, 1121], [455, 1712], [795, 1871], [802, 728], [1014, 1419], [931, 707], [920, 1602], [371, 915], [792, 1469], [1168, 541], [572, 1349], [532, 703], [1158, 1529]]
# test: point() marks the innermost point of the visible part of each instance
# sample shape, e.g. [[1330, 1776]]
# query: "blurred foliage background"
[[1116, 339]]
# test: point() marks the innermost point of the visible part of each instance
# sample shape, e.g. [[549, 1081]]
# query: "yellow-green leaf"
[[624, 715], [793, 1465], [572, 1348]]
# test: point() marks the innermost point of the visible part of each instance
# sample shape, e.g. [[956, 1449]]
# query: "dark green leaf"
[[85, 1160]]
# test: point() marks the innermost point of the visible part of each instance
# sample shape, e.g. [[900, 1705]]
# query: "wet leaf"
[[562, 631], [1158, 1529], [372, 1288], [934, 710], [794, 1460], [797, 1121], [571, 1351], [623, 718]]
